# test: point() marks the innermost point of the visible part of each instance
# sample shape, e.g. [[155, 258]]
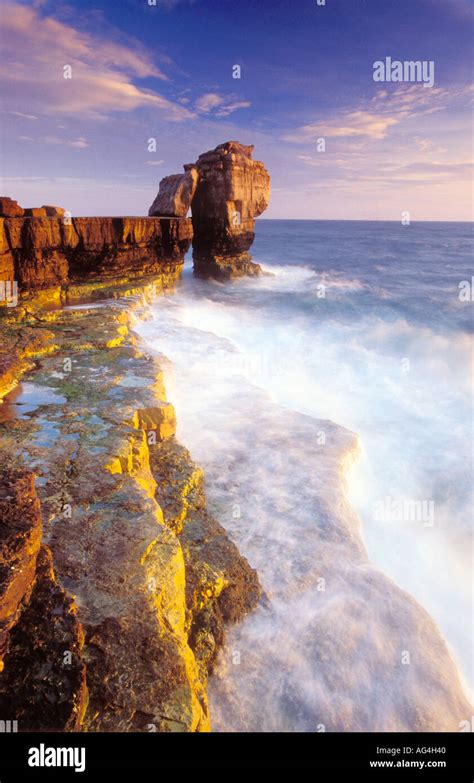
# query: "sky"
[[141, 71]]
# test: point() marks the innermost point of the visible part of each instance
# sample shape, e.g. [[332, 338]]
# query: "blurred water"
[[360, 325]]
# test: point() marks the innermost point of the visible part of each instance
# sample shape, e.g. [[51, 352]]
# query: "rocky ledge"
[[54, 253], [116, 584], [46, 249]]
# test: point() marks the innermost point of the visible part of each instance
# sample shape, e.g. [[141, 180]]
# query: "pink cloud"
[[37, 49], [374, 120]]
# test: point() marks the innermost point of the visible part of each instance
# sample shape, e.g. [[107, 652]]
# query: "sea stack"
[[232, 191], [226, 191]]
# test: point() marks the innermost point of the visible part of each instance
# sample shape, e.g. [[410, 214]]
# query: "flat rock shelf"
[[116, 584]]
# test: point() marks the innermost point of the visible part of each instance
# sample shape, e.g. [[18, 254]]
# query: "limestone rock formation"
[[156, 578], [226, 191], [49, 252], [232, 190], [53, 211], [20, 539], [44, 680], [37, 212], [10, 208], [175, 194]]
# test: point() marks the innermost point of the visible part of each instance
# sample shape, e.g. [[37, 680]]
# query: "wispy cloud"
[[20, 114], [357, 123], [377, 117], [38, 47], [219, 105], [79, 143]]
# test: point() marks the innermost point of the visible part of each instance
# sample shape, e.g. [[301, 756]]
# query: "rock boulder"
[[175, 194], [53, 211], [10, 208], [35, 212]]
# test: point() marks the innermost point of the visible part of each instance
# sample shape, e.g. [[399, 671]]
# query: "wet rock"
[[43, 684], [221, 587], [20, 539], [124, 516], [160, 419], [18, 349]]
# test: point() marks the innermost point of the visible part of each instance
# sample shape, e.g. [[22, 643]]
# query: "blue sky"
[[165, 72]]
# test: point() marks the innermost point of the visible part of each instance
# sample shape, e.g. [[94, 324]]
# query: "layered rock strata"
[[120, 611], [20, 540], [226, 190], [54, 252], [232, 190]]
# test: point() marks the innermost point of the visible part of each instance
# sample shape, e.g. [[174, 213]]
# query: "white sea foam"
[[254, 391]]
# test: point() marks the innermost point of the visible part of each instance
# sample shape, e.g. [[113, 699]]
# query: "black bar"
[[325, 753]]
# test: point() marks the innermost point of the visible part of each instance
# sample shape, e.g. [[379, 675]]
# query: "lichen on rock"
[[136, 579]]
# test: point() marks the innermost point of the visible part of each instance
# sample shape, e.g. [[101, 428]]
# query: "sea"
[[329, 401]]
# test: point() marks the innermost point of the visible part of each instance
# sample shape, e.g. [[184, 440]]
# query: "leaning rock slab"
[[175, 194]]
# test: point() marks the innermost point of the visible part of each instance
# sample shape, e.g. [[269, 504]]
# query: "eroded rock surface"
[[232, 190], [144, 579], [44, 680], [175, 194], [10, 208], [20, 540], [55, 252], [226, 190]]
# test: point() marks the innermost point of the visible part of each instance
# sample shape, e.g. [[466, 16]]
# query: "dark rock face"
[[232, 190], [20, 539], [54, 251], [53, 211], [42, 675], [44, 681]]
